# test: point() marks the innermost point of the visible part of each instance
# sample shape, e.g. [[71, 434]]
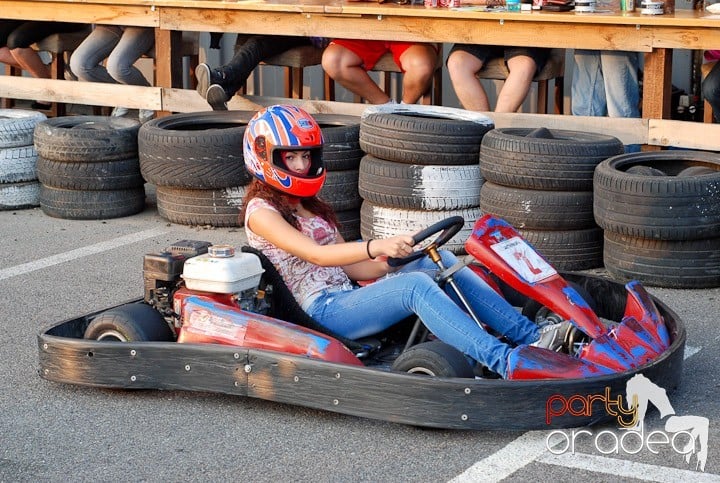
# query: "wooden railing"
[[655, 36]]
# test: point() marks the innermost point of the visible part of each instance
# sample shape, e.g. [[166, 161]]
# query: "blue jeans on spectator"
[[605, 83], [711, 90], [412, 290], [121, 46]]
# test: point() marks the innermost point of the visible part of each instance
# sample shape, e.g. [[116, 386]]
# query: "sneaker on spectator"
[[217, 97], [119, 112], [145, 115], [205, 78], [552, 336]]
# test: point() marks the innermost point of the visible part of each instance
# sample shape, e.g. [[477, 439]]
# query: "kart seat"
[[285, 307]]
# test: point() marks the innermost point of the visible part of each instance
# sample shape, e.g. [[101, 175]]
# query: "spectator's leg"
[[517, 85], [588, 87], [347, 68], [462, 67], [711, 90], [134, 42], [418, 65], [86, 61], [622, 90]]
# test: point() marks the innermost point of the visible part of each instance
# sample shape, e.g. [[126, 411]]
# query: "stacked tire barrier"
[[661, 216], [342, 155], [19, 187], [88, 167], [541, 181], [196, 162], [421, 166]]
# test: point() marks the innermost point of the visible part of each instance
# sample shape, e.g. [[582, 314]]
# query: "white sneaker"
[[553, 336], [119, 112], [144, 115]]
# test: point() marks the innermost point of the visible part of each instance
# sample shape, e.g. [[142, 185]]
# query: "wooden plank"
[[629, 131], [656, 84], [184, 100], [126, 13], [681, 134], [409, 28], [73, 92]]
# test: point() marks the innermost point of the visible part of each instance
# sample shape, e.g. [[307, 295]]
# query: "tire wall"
[[196, 162], [421, 166], [19, 186], [540, 181], [88, 167], [660, 213]]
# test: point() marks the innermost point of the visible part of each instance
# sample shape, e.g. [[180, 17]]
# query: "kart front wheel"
[[130, 323], [434, 358]]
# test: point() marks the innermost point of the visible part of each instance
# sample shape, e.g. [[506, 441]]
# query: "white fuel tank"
[[221, 270]]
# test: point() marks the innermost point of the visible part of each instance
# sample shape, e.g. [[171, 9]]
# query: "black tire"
[[645, 171], [17, 126], [544, 159], [195, 150], [218, 208], [340, 190], [18, 196], [101, 175], [401, 185], [341, 141], [668, 207], [87, 138], [435, 359], [349, 221], [568, 249], [422, 137], [130, 323], [664, 263], [91, 204], [378, 221], [538, 210], [18, 164]]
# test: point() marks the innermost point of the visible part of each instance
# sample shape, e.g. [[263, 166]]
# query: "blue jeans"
[[605, 83], [121, 46], [711, 90], [412, 290]]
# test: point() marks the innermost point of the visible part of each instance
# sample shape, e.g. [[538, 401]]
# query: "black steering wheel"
[[449, 228]]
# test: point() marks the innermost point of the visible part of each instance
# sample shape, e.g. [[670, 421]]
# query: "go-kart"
[[219, 321]]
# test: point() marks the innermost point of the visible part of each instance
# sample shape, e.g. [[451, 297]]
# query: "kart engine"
[[206, 269]]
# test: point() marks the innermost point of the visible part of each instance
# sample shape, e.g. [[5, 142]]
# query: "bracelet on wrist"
[[367, 249]]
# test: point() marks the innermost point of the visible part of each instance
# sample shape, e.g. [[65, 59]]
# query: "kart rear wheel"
[[436, 359], [130, 323]]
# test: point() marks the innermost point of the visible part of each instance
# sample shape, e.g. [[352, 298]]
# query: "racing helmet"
[[284, 128]]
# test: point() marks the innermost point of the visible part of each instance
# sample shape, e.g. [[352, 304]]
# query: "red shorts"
[[370, 51]]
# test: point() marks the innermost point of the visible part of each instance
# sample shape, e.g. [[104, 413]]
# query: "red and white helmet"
[[284, 128]]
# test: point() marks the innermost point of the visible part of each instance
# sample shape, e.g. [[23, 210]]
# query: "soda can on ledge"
[[431, 3], [627, 5]]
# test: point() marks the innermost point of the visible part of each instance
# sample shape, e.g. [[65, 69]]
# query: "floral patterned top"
[[302, 278]]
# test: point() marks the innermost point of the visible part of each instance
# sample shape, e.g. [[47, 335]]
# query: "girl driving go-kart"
[[297, 231]]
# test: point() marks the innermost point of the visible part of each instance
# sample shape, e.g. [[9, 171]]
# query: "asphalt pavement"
[[52, 269]]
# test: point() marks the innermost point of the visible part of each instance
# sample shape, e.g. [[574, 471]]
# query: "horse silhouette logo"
[[640, 391]]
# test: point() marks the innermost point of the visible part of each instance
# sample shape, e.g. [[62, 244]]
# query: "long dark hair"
[[282, 202]]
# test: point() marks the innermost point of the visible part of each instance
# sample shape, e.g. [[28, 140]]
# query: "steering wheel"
[[449, 228]]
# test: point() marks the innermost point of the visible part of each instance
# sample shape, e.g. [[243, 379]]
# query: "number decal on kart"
[[523, 259]]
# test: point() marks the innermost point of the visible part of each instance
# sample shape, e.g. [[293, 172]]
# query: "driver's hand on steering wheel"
[[397, 246]]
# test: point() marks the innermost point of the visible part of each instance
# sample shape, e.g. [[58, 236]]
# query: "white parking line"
[[624, 469], [532, 446], [519, 453], [79, 253]]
